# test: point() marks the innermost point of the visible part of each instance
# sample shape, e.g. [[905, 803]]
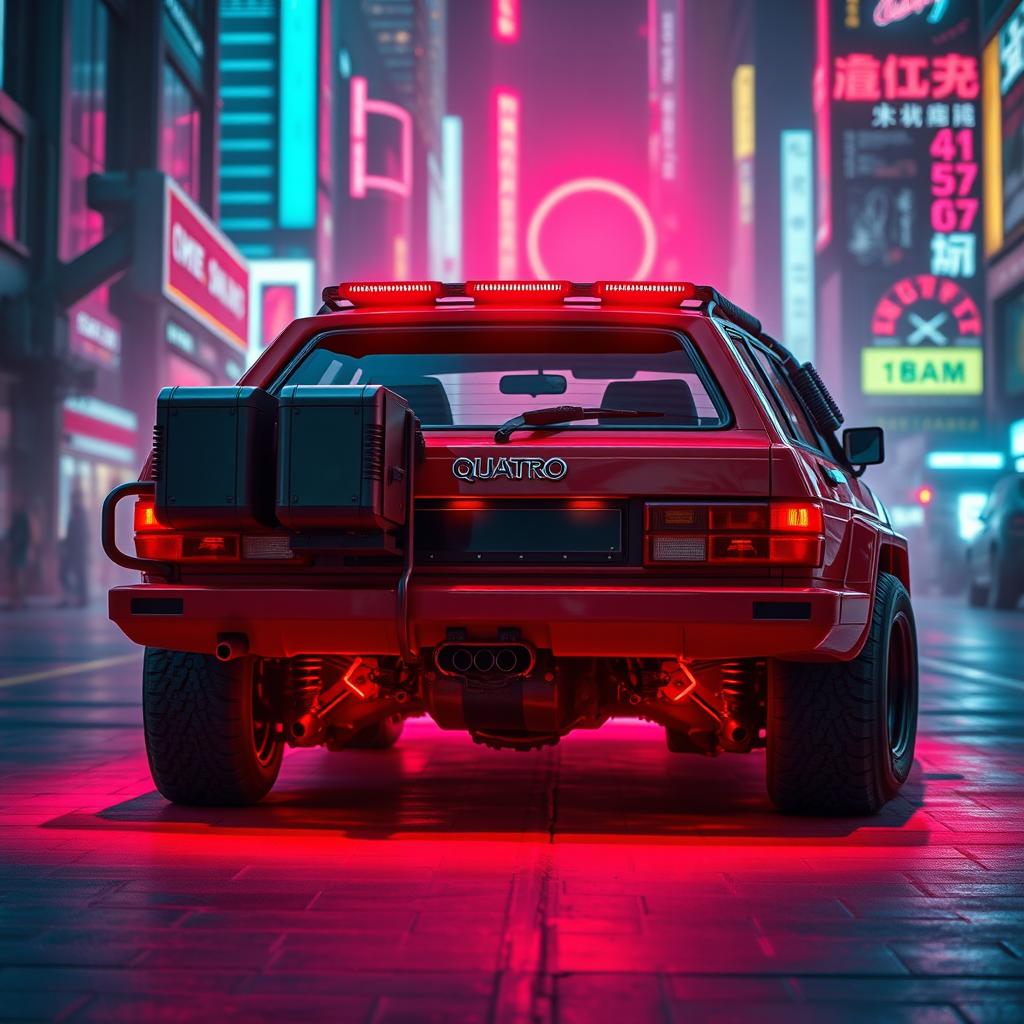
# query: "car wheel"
[[1002, 593], [211, 737], [380, 736], [841, 735]]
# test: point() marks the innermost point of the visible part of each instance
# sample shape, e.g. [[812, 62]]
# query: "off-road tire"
[[198, 716], [834, 745], [380, 736]]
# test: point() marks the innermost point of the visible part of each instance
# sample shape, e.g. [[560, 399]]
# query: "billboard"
[[203, 273], [903, 88]]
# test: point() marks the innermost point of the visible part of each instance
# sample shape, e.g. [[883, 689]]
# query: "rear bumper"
[[808, 624]]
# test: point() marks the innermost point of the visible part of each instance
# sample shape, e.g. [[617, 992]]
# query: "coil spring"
[[306, 679], [737, 688]]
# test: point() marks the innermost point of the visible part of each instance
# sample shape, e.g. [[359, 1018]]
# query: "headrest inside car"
[[671, 396], [426, 397]]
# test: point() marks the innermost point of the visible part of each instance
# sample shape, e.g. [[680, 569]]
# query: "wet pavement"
[[603, 880]]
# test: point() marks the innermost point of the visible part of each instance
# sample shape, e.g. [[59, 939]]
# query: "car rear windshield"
[[480, 377]]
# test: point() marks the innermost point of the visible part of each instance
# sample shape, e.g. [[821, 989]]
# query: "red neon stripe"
[[79, 423]]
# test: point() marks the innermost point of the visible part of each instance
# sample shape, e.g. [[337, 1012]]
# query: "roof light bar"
[[644, 293], [513, 292], [391, 293]]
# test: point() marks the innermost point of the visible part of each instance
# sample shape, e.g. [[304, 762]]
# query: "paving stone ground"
[[603, 880]]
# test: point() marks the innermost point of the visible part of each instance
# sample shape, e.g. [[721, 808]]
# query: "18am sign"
[[203, 273]]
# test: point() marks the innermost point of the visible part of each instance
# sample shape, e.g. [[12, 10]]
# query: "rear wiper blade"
[[565, 414]]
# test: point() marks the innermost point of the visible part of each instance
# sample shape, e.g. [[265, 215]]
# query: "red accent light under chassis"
[[644, 293], [391, 293], [530, 293]]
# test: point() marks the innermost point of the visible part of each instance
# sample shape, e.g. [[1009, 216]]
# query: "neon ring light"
[[612, 188]]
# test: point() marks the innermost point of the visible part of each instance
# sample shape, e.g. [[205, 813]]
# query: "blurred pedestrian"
[[74, 555], [19, 547]]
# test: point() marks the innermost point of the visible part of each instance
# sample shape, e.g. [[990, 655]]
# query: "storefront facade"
[[96, 90]]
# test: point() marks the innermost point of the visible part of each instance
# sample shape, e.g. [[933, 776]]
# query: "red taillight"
[[188, 547], [643, 293], [391, 293], [796, 517], [777, 533], [145, 516], [530, 293], [155, 540]]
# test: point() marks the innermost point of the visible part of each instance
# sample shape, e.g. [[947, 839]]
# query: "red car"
[[628, 501]]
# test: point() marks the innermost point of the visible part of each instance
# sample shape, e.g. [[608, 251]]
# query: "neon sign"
[[506, 114], [890, 11], [600, 185], [361, 181], [506, 20]]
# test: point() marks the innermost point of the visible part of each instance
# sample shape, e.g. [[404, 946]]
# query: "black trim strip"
[[782, 610]]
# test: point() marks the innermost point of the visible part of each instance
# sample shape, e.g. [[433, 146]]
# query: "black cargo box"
[[213, 457], [342, 458]]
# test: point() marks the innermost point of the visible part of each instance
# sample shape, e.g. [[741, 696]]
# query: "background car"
[[995, 556]]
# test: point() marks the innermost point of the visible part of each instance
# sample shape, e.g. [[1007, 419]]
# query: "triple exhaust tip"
[[480, 659], [485, 659]]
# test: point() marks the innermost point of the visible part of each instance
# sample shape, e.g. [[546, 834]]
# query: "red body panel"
[[598, 620], [622, 611]]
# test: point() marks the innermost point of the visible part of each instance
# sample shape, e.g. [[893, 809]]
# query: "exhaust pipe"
[[231, 646], [461, 659], [506, 660], [516, 658]]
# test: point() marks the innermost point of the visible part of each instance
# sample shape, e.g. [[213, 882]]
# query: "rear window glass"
[[481, 377]]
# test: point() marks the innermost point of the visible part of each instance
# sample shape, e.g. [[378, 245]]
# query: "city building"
[[901, 313], [114, 280], [388, 90], [1003, 129], [277, 76]]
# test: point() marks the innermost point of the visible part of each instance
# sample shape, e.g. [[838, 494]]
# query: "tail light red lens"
[[797, 517], [739, 518], [740, 549], [188, 547], [776, 533], [145, 516], [154, 540]]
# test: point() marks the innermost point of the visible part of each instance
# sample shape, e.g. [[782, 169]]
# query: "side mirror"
[[864, 446]]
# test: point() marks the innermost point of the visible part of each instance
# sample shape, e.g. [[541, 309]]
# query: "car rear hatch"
[[582, 501]]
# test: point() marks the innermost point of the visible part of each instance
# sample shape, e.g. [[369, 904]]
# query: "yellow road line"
[[67, 670]]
